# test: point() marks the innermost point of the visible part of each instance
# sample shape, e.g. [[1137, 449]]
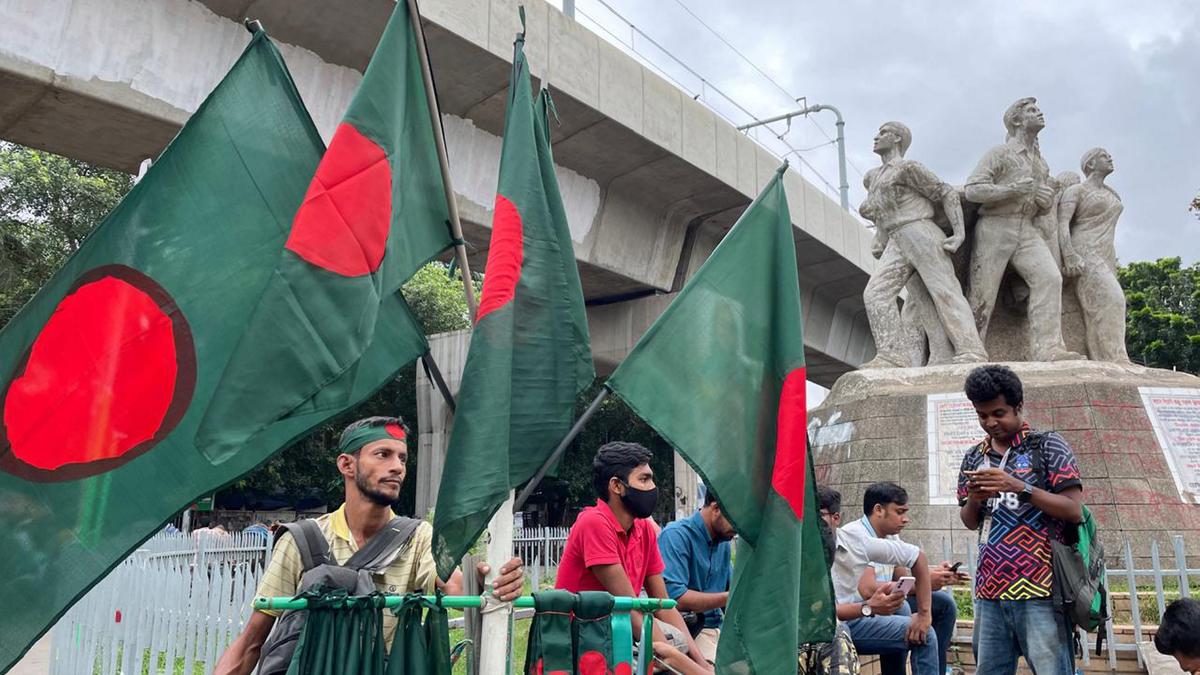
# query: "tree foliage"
[[614, 421], [48, 204], [1162, 315]]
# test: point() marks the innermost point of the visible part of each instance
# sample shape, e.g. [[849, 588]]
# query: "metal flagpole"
[[494, 636], [562, 447], [435, 114]]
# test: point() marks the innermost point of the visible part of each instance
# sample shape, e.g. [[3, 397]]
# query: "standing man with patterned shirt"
[[1017, 487]]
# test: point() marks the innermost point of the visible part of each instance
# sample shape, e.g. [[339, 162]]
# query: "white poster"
[[1175, 416], [951, 428]]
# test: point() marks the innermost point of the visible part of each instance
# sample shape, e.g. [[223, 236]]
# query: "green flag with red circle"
[[720, 375], [332, 326], [105, 374], [530, 353]]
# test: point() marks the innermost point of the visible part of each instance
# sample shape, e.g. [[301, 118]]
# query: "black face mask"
[[640, 503]]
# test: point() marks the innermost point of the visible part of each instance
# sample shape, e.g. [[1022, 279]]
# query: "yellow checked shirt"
[[412, 570]]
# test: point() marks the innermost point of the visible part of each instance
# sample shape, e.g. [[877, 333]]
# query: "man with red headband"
[[373, 456]]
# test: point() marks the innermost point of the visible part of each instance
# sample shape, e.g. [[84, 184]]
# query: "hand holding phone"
[[906, 584]]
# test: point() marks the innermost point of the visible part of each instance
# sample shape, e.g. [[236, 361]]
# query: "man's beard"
[[373, 495]]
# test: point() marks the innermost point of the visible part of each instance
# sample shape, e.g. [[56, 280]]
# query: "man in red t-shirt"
[[613, 546]]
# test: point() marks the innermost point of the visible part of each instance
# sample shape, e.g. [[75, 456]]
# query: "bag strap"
[[314, 550], [1035, 439], [381, 549]]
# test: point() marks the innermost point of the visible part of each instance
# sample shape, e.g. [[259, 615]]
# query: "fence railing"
[[172, 606]]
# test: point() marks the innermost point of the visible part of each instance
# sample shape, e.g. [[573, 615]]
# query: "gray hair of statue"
[[901, 131], [1090, 156], [1012, 116]]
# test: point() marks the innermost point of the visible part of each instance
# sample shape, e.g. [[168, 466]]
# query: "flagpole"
[[435, 375], [562, 447], [439, 139]]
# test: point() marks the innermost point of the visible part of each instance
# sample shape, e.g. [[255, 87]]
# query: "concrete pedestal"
[[883, 425]]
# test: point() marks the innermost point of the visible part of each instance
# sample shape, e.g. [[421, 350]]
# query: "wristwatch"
[[1025, 494], [865, 610]]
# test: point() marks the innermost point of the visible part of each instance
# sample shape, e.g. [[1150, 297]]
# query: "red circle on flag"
[[593, 663], [342, 225], [109, 376]]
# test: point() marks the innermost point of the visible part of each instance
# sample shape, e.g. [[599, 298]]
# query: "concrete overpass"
[[651, 178]]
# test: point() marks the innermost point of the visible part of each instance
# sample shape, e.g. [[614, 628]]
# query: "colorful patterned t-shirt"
[[1014, 561]]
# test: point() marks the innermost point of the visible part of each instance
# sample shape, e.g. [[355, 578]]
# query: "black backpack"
[[320, 569]]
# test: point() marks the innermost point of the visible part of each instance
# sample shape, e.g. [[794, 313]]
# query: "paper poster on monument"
[[952, 427], [1175, 416]]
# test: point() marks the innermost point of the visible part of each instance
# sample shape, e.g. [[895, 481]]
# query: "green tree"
[[571, 488], [1162, 314], [48, 204]]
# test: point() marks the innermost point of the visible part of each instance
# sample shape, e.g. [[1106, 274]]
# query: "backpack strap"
[[381, 550], [314, 550], [1035, 439]]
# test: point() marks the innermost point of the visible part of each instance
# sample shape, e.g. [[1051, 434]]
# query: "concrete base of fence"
[[37, 661]]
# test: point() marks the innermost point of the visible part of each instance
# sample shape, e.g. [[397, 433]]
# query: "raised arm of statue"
[[1071, 260]]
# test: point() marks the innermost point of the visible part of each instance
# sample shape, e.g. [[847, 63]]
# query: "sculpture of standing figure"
[[1012, 184], [901, 198], [1087, 219]]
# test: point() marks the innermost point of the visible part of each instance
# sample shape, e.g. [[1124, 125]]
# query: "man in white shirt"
[[858, 548]]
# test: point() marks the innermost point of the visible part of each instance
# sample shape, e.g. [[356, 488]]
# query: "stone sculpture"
[[902, 196], [1012, 184], [1087, 220]]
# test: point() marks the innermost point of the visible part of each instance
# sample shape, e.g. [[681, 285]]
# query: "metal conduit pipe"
[[843, 186]]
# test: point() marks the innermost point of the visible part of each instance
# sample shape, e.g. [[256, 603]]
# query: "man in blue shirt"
[[698, 568]]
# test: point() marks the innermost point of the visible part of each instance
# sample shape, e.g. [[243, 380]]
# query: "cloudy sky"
[[1122, 75]]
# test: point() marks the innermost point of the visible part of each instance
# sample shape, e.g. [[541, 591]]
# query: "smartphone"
[[906, 584], [955, 566]]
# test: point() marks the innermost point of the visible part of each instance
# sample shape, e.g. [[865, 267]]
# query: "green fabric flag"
[[721, 377], [550, 649], [105, 374], [530, 354], [573, 635], [341, 634], [421, 645], [332, 327]]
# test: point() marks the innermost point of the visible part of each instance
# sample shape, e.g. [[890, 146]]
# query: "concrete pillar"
[[449, 351]]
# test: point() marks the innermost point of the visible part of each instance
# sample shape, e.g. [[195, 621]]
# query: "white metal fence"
[[541, 548], [171, 607], [174, 605]]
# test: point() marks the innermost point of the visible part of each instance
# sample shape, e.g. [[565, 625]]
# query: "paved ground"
[[37, 661]]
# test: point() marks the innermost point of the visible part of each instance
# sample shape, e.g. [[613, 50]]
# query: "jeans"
[[1006, 629], [886, 635], [944, 614]]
